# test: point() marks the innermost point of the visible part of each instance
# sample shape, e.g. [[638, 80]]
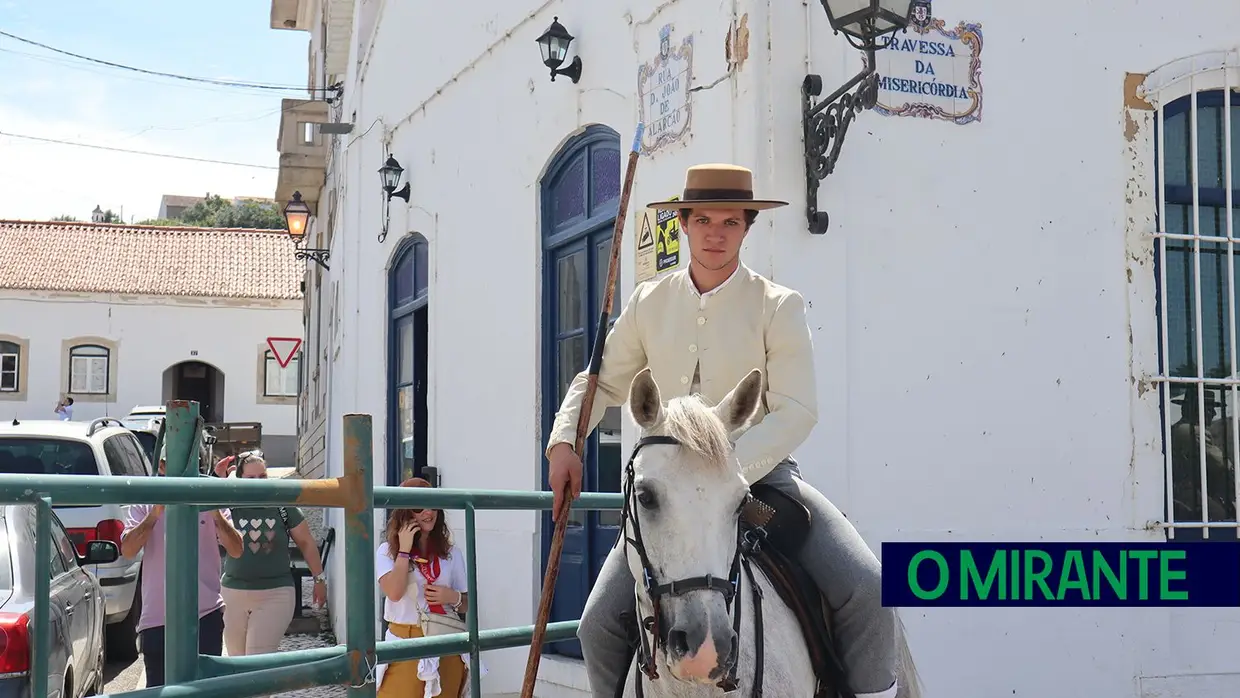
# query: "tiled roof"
[[148, 260]]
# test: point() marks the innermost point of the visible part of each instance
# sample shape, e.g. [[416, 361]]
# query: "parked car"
[[100, 447], [76, 607], [147, 435], [141, 416]]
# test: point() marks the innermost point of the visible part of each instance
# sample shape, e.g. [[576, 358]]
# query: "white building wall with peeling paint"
[[983, 302]]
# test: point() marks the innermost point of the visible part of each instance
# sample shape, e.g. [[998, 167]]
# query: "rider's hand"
[[404, 537], [565, 474]]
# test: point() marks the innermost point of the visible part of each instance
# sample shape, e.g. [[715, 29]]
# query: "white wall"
[[151, 334], [973, 295]]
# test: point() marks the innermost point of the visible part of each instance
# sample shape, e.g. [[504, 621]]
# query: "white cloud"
[[41, 180]]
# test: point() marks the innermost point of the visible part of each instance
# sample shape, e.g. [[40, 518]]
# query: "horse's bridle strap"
[[682, 586]]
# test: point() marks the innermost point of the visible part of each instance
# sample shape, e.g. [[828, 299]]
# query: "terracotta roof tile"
[[148, 260]]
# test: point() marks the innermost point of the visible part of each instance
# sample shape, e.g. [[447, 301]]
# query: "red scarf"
[[430, 570]]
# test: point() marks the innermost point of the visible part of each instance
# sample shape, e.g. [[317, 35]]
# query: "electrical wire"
[[138, 152], [92, 69], [189, 78]]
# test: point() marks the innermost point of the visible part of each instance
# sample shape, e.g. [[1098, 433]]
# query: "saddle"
[[775, 527]]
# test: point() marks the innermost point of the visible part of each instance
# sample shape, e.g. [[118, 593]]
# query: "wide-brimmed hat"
[[718, 186], [1190, 397]]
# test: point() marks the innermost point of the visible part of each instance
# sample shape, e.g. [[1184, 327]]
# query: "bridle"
[[746, 542]]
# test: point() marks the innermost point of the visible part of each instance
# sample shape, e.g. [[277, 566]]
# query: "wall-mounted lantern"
[[554, 45], [390, 174], [869, 26], [297, 218]]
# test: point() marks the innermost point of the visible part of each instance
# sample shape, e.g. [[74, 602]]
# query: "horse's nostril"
[[678, 643]]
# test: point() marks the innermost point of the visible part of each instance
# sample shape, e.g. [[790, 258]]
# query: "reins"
[[746, 543]]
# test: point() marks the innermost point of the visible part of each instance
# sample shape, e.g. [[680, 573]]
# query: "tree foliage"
[[218, 212]]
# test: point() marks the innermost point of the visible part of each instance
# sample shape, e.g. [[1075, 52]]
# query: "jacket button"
[[701, 321], [692, 348], [684, 380]]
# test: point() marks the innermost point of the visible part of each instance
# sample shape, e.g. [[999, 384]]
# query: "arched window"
[[580, 200], [408, 294], [1198, 283], [89, 369]]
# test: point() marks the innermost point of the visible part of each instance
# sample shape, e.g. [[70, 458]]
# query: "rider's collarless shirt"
[[706, 343]]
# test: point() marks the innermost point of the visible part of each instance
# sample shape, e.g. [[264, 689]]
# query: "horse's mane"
[[690, 421]]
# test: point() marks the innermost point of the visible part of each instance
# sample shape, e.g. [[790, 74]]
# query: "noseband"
[[745, 542]]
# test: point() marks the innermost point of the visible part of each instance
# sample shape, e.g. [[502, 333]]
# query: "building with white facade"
[[116, 316], [1000, 327]]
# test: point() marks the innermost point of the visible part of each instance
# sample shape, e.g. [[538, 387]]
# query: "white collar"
[[714, 290]]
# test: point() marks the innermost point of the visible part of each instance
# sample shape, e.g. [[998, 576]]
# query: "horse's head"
[[684, 500]]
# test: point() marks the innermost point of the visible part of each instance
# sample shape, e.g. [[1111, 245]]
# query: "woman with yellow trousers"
[[423, 579]]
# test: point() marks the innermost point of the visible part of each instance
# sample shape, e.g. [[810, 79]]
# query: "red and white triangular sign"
[[284, 348]]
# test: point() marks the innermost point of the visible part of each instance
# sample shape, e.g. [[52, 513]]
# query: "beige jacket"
[[749, 322]]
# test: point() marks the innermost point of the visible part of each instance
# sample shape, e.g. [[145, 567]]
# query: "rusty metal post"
[[359, 553]]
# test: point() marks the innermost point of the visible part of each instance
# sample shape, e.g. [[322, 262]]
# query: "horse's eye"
[[646, 499]]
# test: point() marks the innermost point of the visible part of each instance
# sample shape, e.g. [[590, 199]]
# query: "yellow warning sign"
[[667, 229], [644, 267]]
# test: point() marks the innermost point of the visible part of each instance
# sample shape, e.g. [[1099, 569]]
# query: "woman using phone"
[[422, 576]]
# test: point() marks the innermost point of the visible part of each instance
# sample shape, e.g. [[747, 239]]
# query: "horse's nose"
[[699, 651]]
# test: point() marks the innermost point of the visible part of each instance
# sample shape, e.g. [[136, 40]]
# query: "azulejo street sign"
[[663, 93], [284, 348]]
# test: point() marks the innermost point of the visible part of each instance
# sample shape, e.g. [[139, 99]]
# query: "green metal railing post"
[[471, 615], [359, 553], [42, 593], [181, 549]]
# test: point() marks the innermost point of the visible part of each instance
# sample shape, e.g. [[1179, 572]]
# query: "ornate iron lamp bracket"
[[825, 124], [320, 256]]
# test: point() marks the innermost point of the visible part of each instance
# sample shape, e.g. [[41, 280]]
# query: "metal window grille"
[[1197, 292]]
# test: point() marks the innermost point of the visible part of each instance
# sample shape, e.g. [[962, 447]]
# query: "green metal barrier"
[[352, 664]]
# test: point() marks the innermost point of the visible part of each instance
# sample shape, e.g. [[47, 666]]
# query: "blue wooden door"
[[407, 301], [581, 194]]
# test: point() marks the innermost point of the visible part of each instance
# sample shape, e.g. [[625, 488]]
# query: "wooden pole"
[[583, 423]]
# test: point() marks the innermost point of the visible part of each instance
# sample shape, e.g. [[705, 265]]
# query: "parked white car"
[[144, 416], [100, 447]]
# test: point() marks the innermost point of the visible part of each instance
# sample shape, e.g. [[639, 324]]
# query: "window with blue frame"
[[580, 201], [408, 285], [1198, 287]]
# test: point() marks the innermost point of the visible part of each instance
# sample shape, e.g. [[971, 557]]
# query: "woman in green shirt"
[[258, 586]]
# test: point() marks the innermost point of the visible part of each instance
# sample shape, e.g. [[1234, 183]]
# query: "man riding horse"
[[702, 330]]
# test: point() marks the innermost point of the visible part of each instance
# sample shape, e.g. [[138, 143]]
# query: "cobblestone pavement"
[[131, 676]]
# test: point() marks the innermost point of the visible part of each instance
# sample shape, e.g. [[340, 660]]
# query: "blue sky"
[[53, 96]]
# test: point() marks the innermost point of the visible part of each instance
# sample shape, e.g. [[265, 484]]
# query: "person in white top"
[[423, 579], [64, 409]]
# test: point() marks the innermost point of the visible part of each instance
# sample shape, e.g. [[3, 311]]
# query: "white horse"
[[684, 493]]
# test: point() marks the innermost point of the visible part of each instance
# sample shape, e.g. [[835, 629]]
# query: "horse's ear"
[[644, 402], [739, 406]]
